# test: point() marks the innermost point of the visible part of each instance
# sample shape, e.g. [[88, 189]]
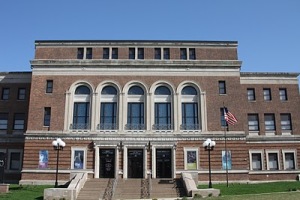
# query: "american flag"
[[229, 117]]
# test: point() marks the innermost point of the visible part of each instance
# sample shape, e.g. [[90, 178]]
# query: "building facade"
[[142, 109]]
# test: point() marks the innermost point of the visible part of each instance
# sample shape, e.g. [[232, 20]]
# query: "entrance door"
[[163, 163], [107, 163], [135, 163]]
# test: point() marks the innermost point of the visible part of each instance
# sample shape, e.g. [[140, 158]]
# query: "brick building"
[[139, 109]]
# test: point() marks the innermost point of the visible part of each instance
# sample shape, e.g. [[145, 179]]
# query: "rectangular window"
[[190, 116], [272, 161], [81, 115], [163, 116], [183, 54], [108, 116], [140, 53], [21, 94], [47, 116], [289, 160], [3, 121], [191, 158], [251, 94], [80, 52], [256, 161], [89, 53], [5, 94], [285, 121], [166, 54], [78, 158], [192, 54], [157, 53], [15, 161], [132, 53], [270, 122], [19, 121], [114, 53], [253, 123], [135, 116], [267, 94], [49, 86], [283, 94], [105, 53], [222, 87]]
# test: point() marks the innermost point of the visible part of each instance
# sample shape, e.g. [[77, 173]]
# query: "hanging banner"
[[226, 157], [43, 159]]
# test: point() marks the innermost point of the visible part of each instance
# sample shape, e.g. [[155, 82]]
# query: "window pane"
[[251, 94], [253, 124], [82, 90], [131, 53], [192, 54], [109, 90], [108, 116], [114, 53], [273, 161], [47, 116], [81, 115], [189, 90], [3, 121], [162, 90], [140, 53], [289, 161], [136, 90], [157, 53], [89, 53], [5, 93], [282, 94], [222, 87], [135, 116], [105, 53], [267, 94], [190, 116], [183, 54], [15, 158], [269, 122], [166, 53], [286, 122], [163, 116], [21, 93], [256, 161], [19, 121], [80, 53], [49, 86]]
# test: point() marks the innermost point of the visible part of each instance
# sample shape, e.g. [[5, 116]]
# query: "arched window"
[[81, 109], [108, 112], [189, 109], [135, 109], [163, 112]]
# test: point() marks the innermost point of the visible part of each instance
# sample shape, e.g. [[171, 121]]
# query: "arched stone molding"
[[119, 99], [145, 99], [201, 99], [69, 103], [172, 100]]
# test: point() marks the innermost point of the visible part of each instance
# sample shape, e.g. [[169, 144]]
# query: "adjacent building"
[[142, 109]]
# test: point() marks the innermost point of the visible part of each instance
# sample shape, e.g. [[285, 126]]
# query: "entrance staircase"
[[95, 189]]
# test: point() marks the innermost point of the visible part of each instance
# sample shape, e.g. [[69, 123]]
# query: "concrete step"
[[93, 189]]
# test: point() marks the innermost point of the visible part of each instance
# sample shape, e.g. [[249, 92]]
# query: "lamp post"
[[58, 145], [209, 146]]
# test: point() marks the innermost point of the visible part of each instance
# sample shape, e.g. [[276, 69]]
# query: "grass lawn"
[[274, 191], [25, 192]]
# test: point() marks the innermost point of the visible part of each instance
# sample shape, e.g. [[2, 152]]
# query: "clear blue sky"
[[268, 31]]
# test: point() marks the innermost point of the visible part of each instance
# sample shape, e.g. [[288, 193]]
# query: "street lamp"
[[57, 144], [209, 146]]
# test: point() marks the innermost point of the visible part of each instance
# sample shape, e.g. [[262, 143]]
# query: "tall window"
[[222, 87], [80, 52], [253, 123], [3, 121], [166, 54], [49, 86], [19, 121], [256, 159], [135, 110], [222, 118], [285, 121], [108, 114], [183, 54], [15, 161], [81, 110], [157, 53], [251, 94], [140, 53], [105, 53], [132, 53], [114, 53], [89, 53], [192, 54], [5, 94], [21, 94], [163, 109], [189, 106], [47, 116], [272, 161], [270, 122], [289, 160], [283, 94], [267, 94]]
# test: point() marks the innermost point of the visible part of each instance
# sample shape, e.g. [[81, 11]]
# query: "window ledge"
[[286, 133], [190, 131], [163, 131]]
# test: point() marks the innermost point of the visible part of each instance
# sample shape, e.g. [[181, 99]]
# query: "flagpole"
[[225, 137]]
